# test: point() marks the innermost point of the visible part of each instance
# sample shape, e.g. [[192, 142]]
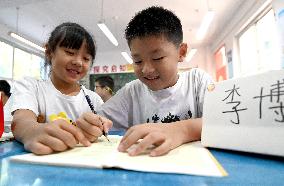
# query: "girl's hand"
[[56, 136], [164, 137], [93, 125]]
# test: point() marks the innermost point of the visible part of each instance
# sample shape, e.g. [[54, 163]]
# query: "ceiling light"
[[205, 25], [108, 33], [16, 36], [127, 57], [104, 28], [190, 54]]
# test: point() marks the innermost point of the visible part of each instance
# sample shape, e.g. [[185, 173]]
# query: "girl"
[[36, 103]]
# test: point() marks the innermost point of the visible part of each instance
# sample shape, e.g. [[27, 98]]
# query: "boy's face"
[[155, 61]]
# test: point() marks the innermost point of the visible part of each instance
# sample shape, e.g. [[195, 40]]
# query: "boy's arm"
[[164, 136], [192, 129]]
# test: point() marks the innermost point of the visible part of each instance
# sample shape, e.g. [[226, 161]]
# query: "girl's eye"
[[137, 62], [69, 52]]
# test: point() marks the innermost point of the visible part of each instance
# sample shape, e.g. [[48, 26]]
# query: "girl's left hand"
[[93, 125]]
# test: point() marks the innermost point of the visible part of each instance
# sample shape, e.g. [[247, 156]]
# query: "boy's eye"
[[87, 59], [157, 59], [137, 60]]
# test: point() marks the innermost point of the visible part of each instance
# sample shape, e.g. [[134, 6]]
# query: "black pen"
[[93, 110]]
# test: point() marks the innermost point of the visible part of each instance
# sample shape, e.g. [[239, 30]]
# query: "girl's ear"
[[182, 52], [48, 52]]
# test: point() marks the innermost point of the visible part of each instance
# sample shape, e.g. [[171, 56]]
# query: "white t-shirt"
[[135, 103], [41, 97]]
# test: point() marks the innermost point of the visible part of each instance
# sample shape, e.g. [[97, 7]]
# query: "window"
[[268, 42], [248, 52], [6, 60], [21, 63], [24, 64], [259, 50]]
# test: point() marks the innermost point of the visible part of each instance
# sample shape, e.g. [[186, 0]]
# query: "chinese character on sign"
[[234, 103], [105, 69], [276, 96], [96, 69], [122, 68], [113, 68]]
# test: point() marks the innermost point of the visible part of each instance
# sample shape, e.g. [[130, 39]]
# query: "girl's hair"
[[69, 35]]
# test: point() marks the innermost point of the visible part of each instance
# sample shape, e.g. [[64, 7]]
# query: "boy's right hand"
[[56, 136]]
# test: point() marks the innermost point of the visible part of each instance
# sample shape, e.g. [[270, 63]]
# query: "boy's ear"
[[182, 52]]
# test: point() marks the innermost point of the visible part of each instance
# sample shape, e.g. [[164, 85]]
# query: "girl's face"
[[155, 61], [68, 66]]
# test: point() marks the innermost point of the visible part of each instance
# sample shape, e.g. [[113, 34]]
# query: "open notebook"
[[189, 158]]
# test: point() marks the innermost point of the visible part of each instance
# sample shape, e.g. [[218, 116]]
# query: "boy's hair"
[[105, 81], [5, 87], [70, 35], [155, 21]]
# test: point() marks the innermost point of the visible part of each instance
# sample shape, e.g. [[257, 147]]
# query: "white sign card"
[[246, 114]]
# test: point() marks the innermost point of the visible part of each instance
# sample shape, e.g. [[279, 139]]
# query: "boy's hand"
[[93, 125], [56, 136], [164, 136]]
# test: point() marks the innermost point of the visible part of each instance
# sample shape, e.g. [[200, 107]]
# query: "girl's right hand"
[[56, 136], [93, 125]]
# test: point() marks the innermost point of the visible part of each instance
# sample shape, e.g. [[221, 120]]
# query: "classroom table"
[[243, 169]]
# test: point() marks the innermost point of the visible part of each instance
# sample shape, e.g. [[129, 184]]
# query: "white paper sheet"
[[189, 158]]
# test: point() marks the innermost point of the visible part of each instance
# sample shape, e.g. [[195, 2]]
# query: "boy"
[[166, 105]]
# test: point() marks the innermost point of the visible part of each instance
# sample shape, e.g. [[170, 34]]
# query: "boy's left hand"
[[164, 136], [93, 125]]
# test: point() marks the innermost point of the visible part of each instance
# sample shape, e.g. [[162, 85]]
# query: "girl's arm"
[[45, 138]]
